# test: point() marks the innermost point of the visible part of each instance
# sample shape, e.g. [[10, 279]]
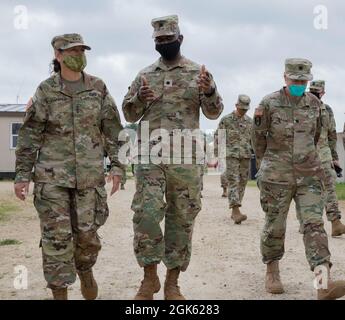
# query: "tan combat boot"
[[237, 216], [225, 192], [273, 283], [149, 285], [60, 294], [88, 285], [171, 289], [337, 228], [335, 289]]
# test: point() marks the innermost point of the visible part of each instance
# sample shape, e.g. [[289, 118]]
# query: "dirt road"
[[226, 262]]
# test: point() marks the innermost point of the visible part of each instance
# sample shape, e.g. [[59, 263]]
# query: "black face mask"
[[169, 51], [316, 94]]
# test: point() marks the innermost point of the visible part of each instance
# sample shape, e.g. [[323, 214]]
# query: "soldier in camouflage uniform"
[[286, 130], [238, 128], [327, 147], [224, 184], [168, 94], [70, 123]]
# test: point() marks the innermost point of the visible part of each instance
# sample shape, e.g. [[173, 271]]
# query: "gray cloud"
[[244, 44]]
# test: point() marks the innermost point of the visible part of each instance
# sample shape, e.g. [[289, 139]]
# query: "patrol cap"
[[165, 26], [67, 41], [317, 86], [243, 102], [298, 69]]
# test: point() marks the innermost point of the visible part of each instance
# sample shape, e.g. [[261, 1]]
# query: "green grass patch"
[[9, 242], [252, 183], [340, 188], [5, 209]]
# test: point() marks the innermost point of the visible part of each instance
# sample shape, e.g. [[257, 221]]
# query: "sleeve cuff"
[[137, 102], [22, 177], [116, 171]]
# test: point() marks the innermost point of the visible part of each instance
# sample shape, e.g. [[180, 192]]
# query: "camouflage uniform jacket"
[[178, 99], [64, 136], [238, 136], [327, 145], [285, 138]]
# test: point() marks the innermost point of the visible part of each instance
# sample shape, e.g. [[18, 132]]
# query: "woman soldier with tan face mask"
[[72, 121]]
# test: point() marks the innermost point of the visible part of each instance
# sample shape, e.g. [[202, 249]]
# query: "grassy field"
[[341, 191], [5, 209]]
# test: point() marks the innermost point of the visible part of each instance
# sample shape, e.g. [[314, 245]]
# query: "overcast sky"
[[243, 43]]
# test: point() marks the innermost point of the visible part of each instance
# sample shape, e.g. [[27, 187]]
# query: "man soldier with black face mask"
[[168, 95]]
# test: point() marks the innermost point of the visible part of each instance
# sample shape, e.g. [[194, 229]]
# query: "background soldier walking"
[[238, 128], [327, 147]]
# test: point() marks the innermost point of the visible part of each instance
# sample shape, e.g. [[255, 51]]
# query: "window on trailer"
[[15, 126]]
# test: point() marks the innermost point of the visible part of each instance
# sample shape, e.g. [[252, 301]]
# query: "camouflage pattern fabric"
[[327, 147], [223, 180], [237, 173], [275, 201], [180, 186], [65, 133], [177, 104], [284, 139], [285, 135], [69, 220], [327, 144], [238, 154], [238, 136], [331, 202]]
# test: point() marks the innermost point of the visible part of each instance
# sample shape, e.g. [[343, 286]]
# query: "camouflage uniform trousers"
[[180, 184], [330, 196], [275, 201], [69, 221], [332, 207], [203, 170], [237, 172], [223, 180]]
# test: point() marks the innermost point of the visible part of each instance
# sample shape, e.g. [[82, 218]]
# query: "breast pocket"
[[60, 115], [280, 125], [89, 107]]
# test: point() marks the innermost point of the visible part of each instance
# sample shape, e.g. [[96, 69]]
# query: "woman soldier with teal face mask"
[[68, 127], [287, 127]]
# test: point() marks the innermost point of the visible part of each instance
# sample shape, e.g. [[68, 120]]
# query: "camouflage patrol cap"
[[165, 26], [317, 86], [67, 41], [243, 102], [298, 69]]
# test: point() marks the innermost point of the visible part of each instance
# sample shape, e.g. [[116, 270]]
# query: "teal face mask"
[[297, 90]]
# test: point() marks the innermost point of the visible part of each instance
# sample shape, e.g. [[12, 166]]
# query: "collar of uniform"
[[234, 115], [162, 66], [58, 84]]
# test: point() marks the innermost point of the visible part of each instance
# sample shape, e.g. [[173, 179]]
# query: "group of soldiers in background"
[[297, 159], [234, 176], [73, 120]]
